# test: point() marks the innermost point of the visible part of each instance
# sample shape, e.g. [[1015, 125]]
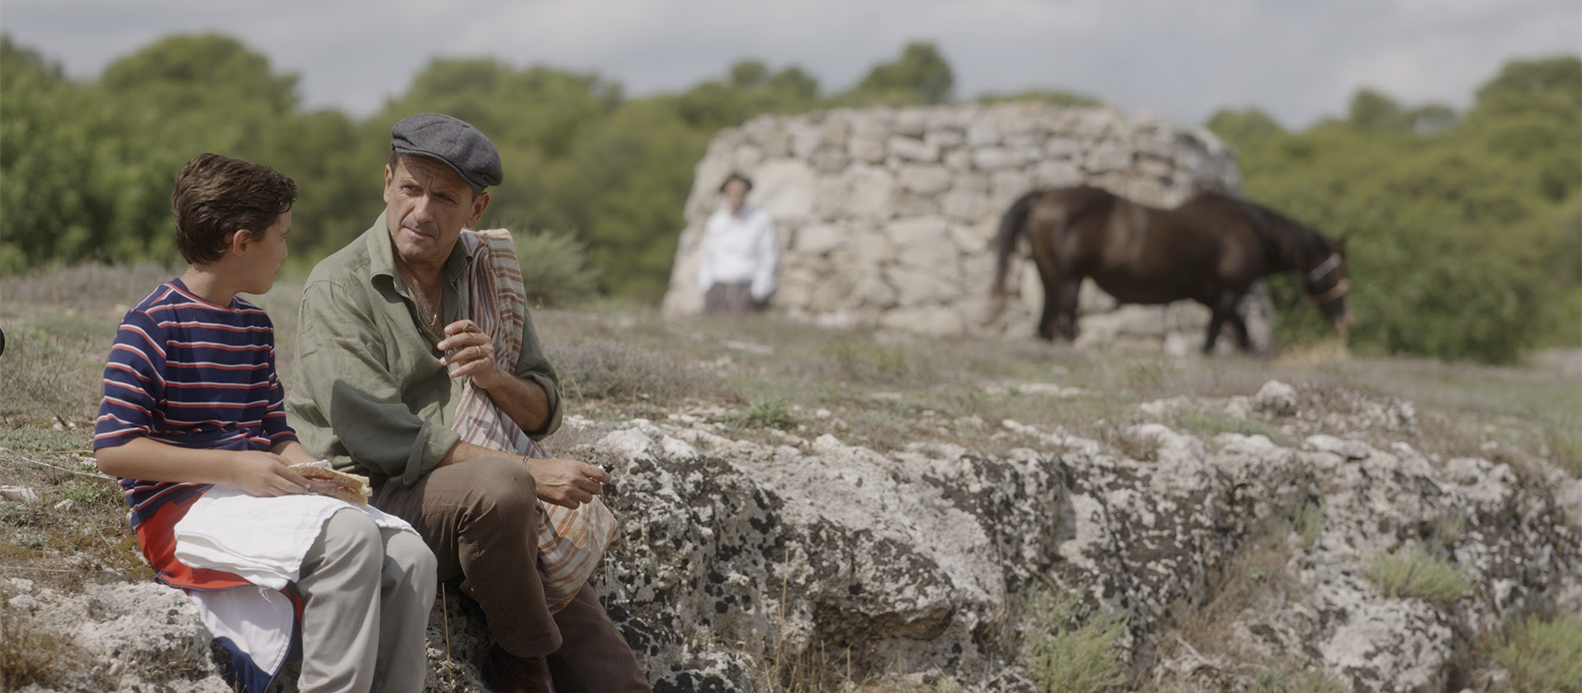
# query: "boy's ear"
[[239, 241]]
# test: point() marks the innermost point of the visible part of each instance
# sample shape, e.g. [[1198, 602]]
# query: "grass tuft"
[[766, 413], [1067, 654], [1413, 573], [1543, 655]]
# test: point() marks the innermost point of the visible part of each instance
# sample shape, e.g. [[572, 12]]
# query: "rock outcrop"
[[744, 557], [887, 216]]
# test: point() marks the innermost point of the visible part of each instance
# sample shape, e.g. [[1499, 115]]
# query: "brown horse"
[[1209, 250]]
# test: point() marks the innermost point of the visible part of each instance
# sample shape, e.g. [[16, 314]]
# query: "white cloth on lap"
[[260, 539]]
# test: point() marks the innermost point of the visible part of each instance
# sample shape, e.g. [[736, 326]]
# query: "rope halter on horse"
[[1334, 292]]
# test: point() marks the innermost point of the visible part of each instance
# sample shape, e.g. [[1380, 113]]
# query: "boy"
[[192, 404]]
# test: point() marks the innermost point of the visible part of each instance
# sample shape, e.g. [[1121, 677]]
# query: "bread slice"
[[352, 488]]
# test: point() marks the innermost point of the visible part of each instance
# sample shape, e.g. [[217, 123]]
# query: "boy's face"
[[262, 261]]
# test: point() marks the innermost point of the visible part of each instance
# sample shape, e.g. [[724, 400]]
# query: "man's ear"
[[480, 202]]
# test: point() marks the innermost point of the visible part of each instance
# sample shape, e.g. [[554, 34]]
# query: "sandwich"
[[352, 488]]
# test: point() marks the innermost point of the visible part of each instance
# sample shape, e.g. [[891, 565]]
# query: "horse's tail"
[[1011, 226]]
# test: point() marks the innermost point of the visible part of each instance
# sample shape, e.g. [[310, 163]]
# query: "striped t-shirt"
[[190, 373]]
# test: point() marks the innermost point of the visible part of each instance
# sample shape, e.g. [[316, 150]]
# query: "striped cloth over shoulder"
[[194, 374]]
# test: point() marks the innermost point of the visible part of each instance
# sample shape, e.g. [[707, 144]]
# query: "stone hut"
[[887, 217]]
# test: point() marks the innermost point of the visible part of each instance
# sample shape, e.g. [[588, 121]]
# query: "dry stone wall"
[[887, 216]]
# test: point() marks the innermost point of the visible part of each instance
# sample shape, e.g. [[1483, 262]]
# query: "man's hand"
[[469, 353], [266, 474], [567, 483]]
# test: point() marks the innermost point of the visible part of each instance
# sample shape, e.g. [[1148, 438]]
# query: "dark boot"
[[508, 673]]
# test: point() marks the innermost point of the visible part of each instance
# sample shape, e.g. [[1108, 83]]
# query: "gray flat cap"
[[453, 141]]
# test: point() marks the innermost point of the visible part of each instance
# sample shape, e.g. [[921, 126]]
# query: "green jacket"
[[369, 393]]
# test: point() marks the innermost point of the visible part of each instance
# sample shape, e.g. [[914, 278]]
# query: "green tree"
[[919, 75], [1247, 126], [1462, 245]]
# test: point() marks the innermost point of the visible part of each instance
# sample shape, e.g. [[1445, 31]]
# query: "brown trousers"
[[481, 520]]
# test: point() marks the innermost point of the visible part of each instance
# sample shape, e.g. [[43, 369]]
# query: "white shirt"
[[740, 248]]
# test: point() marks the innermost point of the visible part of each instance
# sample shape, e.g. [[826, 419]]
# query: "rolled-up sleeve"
[[343, 377], [533, 365]]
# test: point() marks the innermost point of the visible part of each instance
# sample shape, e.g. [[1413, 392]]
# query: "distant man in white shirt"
[[740, 253]]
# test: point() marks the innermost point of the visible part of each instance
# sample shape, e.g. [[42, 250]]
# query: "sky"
[[1300, 61]]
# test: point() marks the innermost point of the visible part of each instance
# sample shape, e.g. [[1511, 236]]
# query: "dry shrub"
[[607, 369], [85, 287], [49, 379], [31, 655]]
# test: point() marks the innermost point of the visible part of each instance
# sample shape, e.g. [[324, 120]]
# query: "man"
[[736, 268], [387, 342]]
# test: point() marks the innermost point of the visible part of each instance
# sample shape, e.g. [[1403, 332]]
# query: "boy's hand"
[[567, 483], [266, 474]]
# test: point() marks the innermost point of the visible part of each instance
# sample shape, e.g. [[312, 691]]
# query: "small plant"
[[1313, 680], [87, 492], [1308, 523], [766, 413], [1214, 424], [1544, 656], [1066, 654], [1413, 573]]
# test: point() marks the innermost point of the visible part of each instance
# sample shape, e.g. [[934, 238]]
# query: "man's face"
[[429, 206], [736, 194], [264, 254]]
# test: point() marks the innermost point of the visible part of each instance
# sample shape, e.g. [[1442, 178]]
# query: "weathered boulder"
[[743, 552]]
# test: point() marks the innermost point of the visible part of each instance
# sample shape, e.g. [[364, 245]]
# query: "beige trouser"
[[366, 593]]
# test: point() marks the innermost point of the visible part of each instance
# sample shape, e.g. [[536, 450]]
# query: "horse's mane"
[[1299, 244]]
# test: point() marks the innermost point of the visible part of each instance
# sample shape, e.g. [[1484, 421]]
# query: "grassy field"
[[759, 375]]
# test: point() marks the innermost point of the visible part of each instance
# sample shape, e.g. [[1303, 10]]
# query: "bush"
[[1066, 654], [1544, 656], [1413, 573], [555, 269]]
